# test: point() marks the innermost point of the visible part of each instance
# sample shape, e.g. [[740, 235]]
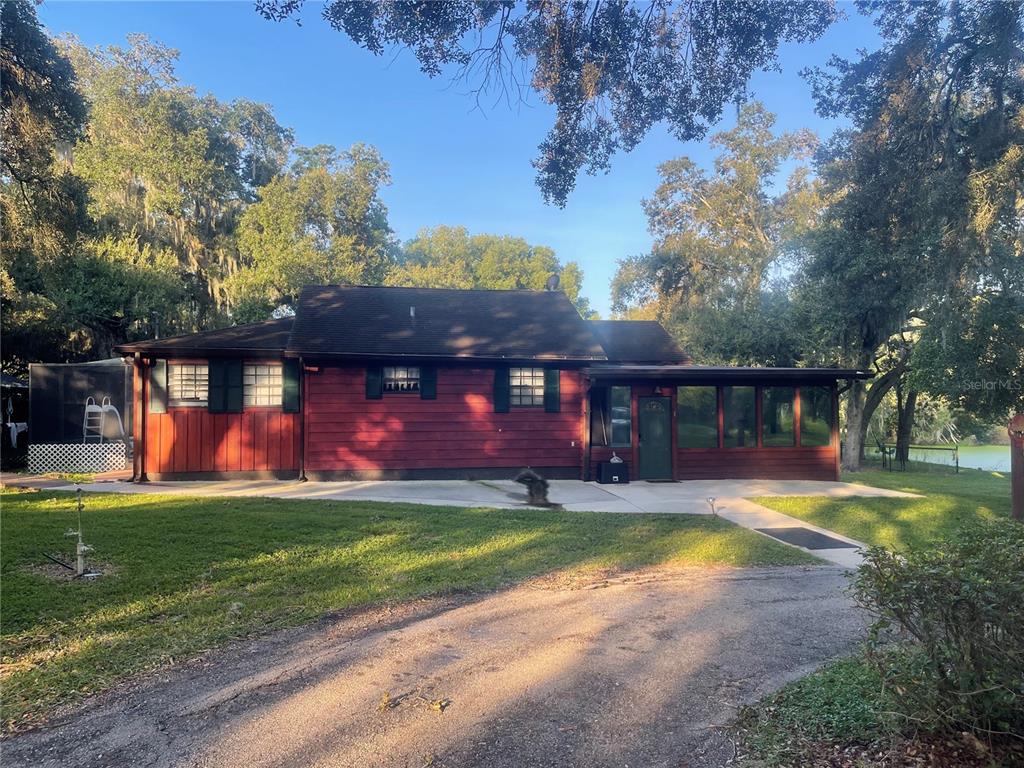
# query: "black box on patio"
[[612, 472]]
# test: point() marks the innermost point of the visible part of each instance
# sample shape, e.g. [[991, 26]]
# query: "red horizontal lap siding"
[[195, 440], [759, 463], [347, 432]]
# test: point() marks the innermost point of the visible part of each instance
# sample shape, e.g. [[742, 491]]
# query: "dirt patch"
[[56, 572], [596, 578]]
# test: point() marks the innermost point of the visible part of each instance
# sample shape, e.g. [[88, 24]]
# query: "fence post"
[[1016, 430]]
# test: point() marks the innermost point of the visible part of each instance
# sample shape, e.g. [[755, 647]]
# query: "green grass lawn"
[[950, 500], [188, 574], [843, 702]]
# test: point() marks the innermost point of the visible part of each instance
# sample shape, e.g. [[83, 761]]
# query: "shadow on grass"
[[192, 573], [949, 502]]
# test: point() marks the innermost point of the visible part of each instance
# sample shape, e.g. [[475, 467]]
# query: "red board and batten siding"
[[346, 432], [191, 439], [195, 440]]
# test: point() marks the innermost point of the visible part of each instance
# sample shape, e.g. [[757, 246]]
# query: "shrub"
[[962, 603]]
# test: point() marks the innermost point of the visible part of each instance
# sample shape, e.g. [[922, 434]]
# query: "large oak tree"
[[924, 237], [715, 274], [612, 69]]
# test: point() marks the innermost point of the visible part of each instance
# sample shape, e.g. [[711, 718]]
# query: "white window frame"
[[400, 380], [262, 385], [188, 385], [526, 387]]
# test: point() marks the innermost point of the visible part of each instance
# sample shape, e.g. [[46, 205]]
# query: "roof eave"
[[314, 354], [128, 349], [691, 373]]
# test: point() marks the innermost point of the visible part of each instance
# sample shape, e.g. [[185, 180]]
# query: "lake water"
[[990, 457]]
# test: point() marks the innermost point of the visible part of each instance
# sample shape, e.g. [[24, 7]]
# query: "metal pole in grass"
[[1016, 430], [81, 548]]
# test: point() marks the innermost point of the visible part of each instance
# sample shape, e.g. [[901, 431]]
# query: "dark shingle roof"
[[265, 336], [637, 341], [378, 321], [375, 321]]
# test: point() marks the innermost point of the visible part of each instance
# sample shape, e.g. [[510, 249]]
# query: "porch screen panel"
[[697, 417], [740, 417], [815, 416], [600, 429], [611, 421], [777, 426], [621, 412]]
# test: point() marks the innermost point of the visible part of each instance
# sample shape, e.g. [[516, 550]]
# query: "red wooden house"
[[373, 382]]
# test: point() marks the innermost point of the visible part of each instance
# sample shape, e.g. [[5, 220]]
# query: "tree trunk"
[[904, 424], [860, 407], [856, 427]]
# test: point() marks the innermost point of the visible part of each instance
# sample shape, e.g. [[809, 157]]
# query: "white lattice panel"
[[76, 457]]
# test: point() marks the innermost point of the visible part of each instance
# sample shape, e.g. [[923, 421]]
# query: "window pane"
[[738, 404], [526, 386], [186, 384], [401, 379], [697, 417], [815, 416], [262, 385], [777, 416], [621, 416]]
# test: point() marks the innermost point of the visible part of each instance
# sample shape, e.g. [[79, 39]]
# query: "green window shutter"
[[158, 387], [374, 382], [501, 390], [216, 387], [233, 386], [552, 396], [290, 398], [428, 383]]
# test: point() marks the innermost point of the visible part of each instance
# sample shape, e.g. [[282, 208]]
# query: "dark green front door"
[[655, 427]]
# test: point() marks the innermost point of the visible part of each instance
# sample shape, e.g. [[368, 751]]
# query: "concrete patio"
[[690, 497]]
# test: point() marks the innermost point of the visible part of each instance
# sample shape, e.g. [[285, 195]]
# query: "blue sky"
[[449, 163]]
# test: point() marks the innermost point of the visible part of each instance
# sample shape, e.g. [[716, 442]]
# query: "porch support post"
[[140, 419], [720, 401], [836, 444], [303, 398], [585, 385], [797, 395], [1016, 430]]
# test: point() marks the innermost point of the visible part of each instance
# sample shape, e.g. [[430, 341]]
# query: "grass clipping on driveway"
[[188, 574]]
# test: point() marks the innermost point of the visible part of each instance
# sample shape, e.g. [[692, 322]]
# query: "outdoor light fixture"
[[711, 503]]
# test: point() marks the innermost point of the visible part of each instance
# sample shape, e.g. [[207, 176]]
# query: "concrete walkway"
[[689, 497]]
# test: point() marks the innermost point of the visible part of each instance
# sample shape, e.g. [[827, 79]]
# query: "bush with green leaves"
[[962, 604]]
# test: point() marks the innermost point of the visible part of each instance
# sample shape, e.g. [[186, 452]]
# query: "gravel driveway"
[[641, 670]]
